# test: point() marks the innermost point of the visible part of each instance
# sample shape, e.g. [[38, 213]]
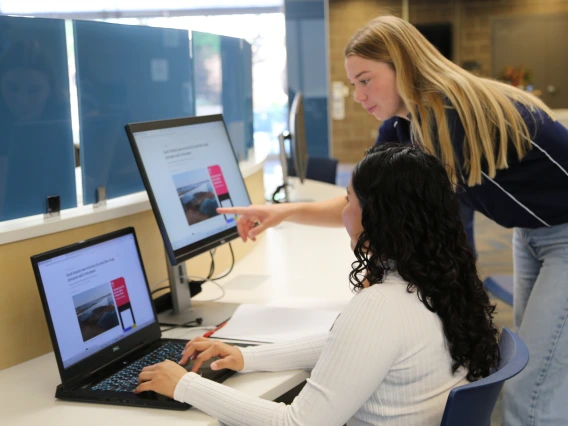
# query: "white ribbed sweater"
[[385, 362]]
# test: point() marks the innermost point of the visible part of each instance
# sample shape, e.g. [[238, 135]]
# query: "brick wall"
[[472, 37], [358, 130]]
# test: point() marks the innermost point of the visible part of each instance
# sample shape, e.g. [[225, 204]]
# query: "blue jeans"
[[538, 396]]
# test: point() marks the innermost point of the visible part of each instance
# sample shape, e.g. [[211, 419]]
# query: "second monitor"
[[189, 168]]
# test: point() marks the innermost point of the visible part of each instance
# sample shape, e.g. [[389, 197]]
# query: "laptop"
[[102, 322]]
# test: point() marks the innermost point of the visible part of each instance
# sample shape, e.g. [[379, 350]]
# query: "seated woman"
[[419, 325]]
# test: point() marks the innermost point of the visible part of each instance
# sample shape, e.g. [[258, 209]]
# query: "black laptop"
[[102, 322]]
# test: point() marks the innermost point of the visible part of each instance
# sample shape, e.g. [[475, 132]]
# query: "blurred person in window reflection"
[[28, 85], [29, 94]]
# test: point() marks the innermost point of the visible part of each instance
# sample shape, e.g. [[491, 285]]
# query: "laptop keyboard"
[[126, 380]]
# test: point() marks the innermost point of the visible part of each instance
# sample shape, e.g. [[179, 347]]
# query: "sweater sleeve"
[[361, 348], [301, 354]]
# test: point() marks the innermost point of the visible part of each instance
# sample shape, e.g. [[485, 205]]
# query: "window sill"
[[36, 226]]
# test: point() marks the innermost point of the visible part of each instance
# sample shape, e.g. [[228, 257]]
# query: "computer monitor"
[[189, 168], [296, 134], [298, 144]]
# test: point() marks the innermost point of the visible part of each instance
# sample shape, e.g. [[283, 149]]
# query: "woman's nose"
[[359, 96]]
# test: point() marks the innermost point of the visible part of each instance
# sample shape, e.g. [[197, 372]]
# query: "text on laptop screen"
[[96, 296], [192, 170]]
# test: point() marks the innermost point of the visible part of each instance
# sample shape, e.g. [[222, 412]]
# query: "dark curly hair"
[[410, 215]]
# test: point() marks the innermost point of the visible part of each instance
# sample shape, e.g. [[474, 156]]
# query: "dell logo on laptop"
[[116, 348]]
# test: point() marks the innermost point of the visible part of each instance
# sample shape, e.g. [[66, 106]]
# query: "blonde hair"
[[425, 79]]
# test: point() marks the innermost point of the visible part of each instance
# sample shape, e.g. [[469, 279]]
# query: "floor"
[[493, 246]]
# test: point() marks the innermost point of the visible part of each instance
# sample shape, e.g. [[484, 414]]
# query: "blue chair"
[[323, 169], [501, 286], [472, 404]]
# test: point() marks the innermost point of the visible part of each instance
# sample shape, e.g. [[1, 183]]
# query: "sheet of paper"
[[261, 323]]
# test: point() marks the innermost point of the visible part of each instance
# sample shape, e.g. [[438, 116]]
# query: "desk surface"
[[293, 265]]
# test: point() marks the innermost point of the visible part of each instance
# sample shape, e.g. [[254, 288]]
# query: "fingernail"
[[214, 366]]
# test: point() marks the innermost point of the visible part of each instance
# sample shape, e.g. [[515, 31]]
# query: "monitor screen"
[[96, 294], [189, 169]]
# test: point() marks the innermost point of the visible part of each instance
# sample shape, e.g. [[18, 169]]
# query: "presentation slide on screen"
[[96, 296], [192, 171]]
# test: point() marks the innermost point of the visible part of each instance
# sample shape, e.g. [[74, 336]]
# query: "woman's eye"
[[346, 198], [364, 82]]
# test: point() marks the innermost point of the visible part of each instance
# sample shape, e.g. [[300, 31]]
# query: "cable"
[[217, 298], [212, 267], [201, 280], [209, 275], [160, 289], [277, 191], [232, 264], [157, 284]]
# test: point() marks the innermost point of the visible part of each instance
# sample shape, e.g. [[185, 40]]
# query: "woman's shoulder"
[[393, 287], [388, 131]]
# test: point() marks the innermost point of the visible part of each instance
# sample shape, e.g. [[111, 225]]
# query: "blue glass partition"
[[36, 140], [223, 84], [307, 67], [207, 73], [125, 74], [246, 51]]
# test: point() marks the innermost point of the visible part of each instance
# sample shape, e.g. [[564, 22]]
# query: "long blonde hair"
[[425, 79]]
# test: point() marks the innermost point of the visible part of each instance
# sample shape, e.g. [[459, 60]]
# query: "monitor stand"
[[186, 311]]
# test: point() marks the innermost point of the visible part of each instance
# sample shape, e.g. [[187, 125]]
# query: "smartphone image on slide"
[[228, 203], [123, 305]]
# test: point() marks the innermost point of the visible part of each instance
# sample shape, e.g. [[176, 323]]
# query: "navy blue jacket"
[[530, 193]]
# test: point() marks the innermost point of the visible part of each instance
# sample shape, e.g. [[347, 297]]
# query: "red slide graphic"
[[221, 189], [218, 180], [120, 292]]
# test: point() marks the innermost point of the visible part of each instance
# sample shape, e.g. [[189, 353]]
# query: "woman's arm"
[[360, 350], [256, 219], [301, 354]]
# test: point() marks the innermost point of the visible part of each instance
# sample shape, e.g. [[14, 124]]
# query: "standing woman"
[[509, 159]]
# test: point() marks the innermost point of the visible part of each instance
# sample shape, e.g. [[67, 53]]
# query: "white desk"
[[293, 265]]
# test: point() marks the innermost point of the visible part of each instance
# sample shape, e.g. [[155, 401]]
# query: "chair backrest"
[[323, 169], [472, 404]]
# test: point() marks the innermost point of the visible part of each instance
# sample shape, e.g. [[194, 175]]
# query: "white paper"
[[261, 323]]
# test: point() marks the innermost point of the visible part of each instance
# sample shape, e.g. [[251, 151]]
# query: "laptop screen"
[[97, 296]]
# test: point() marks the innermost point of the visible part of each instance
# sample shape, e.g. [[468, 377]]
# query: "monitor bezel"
[[76, 373], [184, 253], [298, 142]]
